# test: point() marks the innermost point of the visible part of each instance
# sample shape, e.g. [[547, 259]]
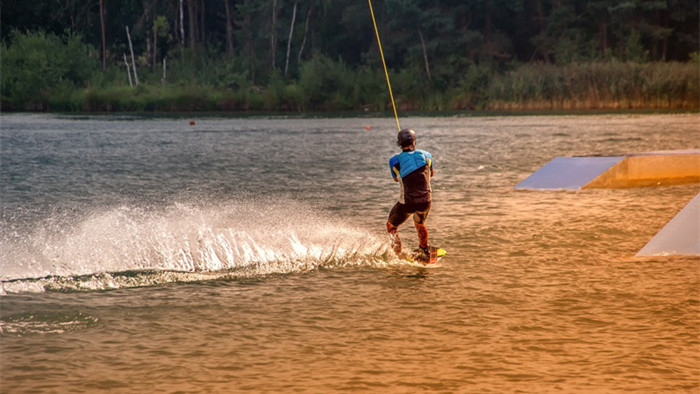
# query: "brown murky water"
[[145, 255]]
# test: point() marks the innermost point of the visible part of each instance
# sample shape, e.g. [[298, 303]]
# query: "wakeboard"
[[418, 256]]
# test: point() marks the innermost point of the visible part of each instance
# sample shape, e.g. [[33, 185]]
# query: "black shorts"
[[400, 212]]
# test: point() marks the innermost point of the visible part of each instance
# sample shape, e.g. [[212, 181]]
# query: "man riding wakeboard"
[[412, 169]]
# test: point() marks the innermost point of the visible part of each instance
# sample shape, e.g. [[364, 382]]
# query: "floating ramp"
[[680, 236], [631, 170]]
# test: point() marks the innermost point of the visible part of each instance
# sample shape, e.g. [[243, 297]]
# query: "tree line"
[[430, 45]]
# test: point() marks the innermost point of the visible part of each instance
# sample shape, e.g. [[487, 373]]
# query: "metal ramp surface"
[[632, 170], [680, 236], [569, 172]]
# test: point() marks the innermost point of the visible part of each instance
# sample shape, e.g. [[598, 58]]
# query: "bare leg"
[[422, 234], [394, 237]]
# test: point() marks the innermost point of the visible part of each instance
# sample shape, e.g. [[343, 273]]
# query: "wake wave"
[[133, 247]]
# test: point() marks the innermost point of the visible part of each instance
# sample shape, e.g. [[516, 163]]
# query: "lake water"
[[144, 254]]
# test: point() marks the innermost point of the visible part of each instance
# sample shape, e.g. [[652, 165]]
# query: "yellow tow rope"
[[386, 73]]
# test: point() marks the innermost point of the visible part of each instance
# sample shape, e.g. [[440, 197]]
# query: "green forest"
[[322, 55]]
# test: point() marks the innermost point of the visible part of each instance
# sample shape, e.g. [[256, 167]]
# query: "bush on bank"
[[50, 73]]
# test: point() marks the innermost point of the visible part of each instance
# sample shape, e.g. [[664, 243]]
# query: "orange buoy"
[[191, 122]]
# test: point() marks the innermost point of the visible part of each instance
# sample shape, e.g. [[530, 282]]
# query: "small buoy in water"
[[367, 127], [191, 122]]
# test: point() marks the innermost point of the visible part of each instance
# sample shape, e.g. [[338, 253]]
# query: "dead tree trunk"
[[273, 35], [128, 71], [182, 24], [133, 60], [425, 55], [104, 37], [191, 6], [149, 53], [306, 32], [155, 44], [229, 29], [249, 47], [202, 23], [289, 41]]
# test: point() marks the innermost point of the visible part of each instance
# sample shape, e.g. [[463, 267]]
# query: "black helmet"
[[405, 138]]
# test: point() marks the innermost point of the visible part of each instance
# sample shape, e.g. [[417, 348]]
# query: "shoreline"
[[373, 114]]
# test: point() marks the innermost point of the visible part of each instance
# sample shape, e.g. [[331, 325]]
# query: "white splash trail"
[[250, 238]]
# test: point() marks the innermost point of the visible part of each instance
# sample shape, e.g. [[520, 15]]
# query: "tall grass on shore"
[[326, 85], [608, 85]]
